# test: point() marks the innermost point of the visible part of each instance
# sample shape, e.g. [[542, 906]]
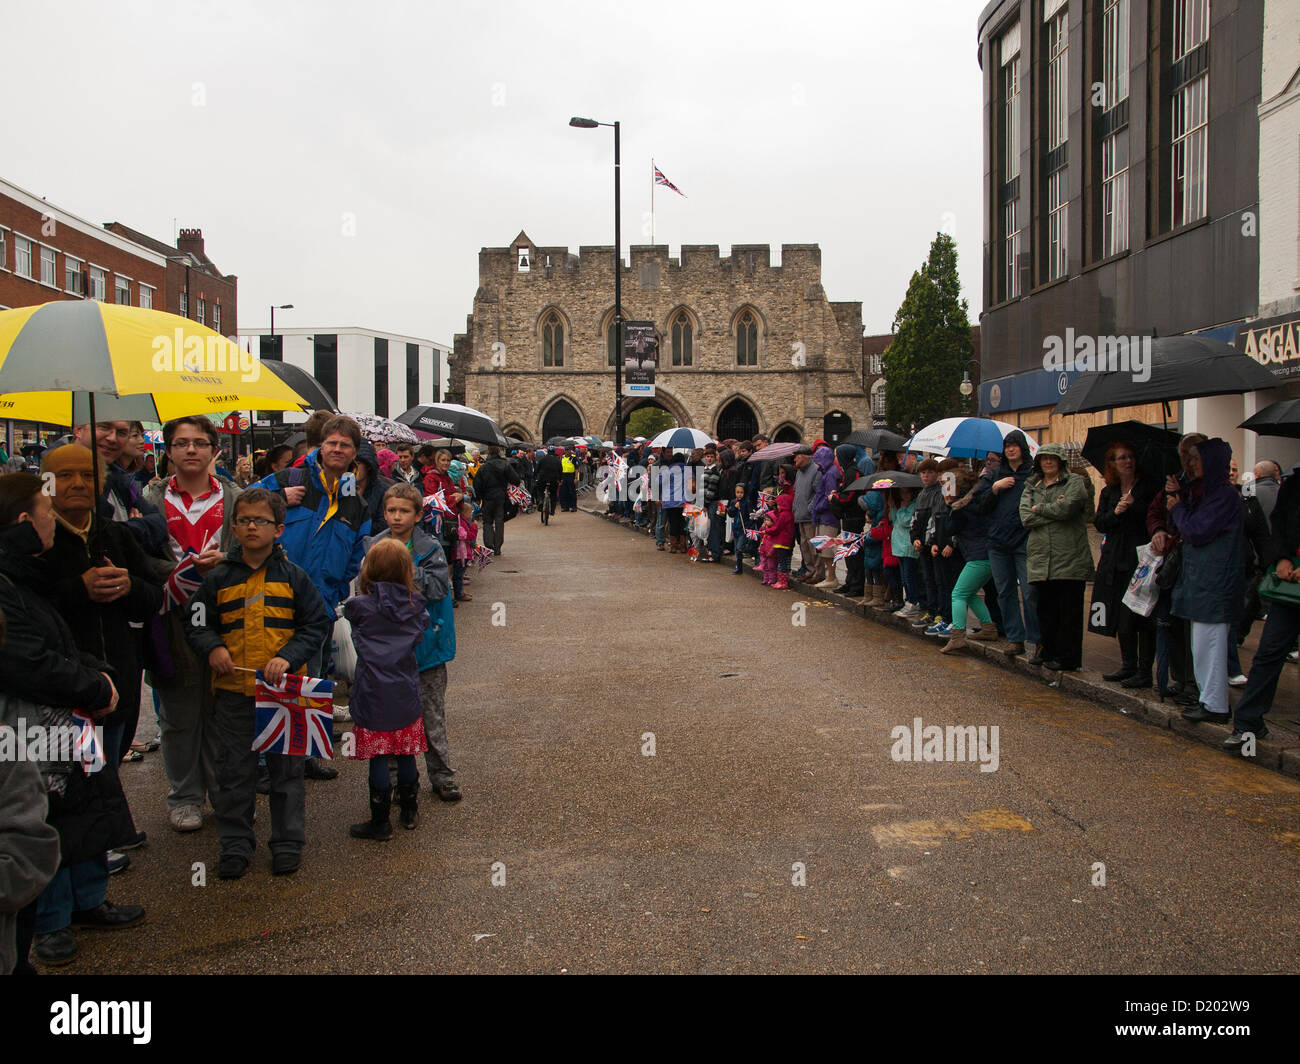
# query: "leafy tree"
[[648, 420], [931, 346]]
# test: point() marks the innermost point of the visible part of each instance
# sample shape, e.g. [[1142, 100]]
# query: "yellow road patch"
[[931, 832]]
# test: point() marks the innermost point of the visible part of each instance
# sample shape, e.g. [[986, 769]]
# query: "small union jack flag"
[[296, 717], [482, 555], [753, 533], [88, 748], [845, 544], [661, 180], [179, 588], [518, 495]]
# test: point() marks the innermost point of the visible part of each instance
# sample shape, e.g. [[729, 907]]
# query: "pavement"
[[670, 769]]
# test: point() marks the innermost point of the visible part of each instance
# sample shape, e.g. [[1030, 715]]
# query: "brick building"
[[746, 346], [213, 297], [47, 253]]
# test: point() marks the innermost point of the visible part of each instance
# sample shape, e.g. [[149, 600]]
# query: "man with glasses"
[[122, 493], [198, 509], [325, 527]]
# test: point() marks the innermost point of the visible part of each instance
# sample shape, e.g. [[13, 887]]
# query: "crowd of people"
[[1000, 548], [184, 581]]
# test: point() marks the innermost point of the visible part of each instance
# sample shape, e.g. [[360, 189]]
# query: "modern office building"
[[1121, 189]]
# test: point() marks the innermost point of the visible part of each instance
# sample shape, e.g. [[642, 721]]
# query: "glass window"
[[747, 340], [412, 375], [1191, 26], [146, 297], [48, 266], [122, 291], [1011, 249], [72, 279], [185, 304], [216, 316], [1114, 52], [325, 352], [552, 341], [1114, 193], [683, 334], [611, 343], [1057, 82], [98, 284], [381, 376], [1057, 219], [4, 249], [1189, 149], [878, 400], [23, 256], [203, 309]]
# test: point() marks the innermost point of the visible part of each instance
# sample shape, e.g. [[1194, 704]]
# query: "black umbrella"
[[451, 419], [876, 439], [303, 383], [1276, 419], [890, 478], [1180, 367], [560, 441], [1156, 449]]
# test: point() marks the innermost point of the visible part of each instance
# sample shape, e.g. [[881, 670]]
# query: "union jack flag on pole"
[[482, 555], [661, 180], [295, 717], [518, 495], [179, 588]]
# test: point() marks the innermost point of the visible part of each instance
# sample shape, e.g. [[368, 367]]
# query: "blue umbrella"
[[965, 437], [681, 439]]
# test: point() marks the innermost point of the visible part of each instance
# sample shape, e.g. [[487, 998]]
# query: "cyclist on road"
[[547, 475]]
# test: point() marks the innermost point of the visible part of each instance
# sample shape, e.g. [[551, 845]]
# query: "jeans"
[[661, 522], [908, 574], [493, 520], [76, 888], [929, 582], [1008, 571], [965, 594], [1275, 642], [458, 577]]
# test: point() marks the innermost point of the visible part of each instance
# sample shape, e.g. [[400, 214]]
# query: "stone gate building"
[[745, 346]]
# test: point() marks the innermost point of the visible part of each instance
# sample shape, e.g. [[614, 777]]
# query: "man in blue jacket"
[[998, 497], [325, 527]]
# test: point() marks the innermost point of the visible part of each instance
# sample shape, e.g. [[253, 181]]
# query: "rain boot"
[[408, 800], [782, 582], [378, 827]]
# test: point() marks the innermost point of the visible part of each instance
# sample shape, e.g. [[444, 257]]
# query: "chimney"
[[190, 240]]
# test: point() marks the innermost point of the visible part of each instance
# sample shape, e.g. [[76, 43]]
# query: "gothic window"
[[747, 339], [683, 339], [552, 340]]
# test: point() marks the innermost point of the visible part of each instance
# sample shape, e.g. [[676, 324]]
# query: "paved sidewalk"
[[1280, 752]]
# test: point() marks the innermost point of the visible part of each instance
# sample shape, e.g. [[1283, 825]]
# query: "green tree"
[[648, 420], [931, 346]]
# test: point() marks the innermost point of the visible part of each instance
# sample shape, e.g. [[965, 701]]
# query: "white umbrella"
[[965, 437], [681, 439]]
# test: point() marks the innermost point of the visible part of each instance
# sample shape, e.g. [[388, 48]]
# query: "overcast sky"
[[434, 129]]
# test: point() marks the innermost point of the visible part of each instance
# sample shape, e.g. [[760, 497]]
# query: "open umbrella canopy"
[[1156, 449], [559, 441], [774, 452], [876, 439], [681, 439], [384, 430], [141, 365], [884, 481], [303, 383], [452, 419], [964, 437], [1276, 419], [1180, 367]]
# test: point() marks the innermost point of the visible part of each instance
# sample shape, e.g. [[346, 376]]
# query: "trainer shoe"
[[922, 620], [1237, 681], [1237, 740], [186, 818], [939, 629], [117, 862]]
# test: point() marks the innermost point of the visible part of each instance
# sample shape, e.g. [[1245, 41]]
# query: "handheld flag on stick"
[[184, 581], [519, 496], [87, 748], [482, 555], [295, 717]]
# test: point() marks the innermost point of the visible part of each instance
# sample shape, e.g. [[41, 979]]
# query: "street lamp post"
[[252, 429], [589, 123], [966, 387]]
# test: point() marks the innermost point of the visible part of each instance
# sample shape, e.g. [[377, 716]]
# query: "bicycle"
[[546, 504]]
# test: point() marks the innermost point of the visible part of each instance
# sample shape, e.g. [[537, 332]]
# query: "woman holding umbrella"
[[1121, 519]]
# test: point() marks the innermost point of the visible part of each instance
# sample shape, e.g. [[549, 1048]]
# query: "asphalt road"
[[771, 831]]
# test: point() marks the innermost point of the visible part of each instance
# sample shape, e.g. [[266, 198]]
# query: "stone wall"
[[501, 364]]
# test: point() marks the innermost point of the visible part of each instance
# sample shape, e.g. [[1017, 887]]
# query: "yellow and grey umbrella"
[[74, 361]]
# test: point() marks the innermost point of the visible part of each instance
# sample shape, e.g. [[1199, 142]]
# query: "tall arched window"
[[878, 408], [611, 337], [683, 339], [737, 421], [747, 339], [552, 340]]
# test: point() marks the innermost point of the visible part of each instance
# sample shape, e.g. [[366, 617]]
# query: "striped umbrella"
[[965, 437], [74, 361]]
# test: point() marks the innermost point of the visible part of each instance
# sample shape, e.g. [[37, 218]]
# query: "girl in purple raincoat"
[[388, 621]]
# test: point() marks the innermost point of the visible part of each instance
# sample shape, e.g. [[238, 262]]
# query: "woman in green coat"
[[1056, 507]]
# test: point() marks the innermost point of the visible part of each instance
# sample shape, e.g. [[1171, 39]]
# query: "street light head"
[[966, 387], [285, 306], [584, 123]]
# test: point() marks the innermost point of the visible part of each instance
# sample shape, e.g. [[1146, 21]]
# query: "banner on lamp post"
[[640, 358]]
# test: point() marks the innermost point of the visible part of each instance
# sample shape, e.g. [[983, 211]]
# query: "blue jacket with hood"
[[1005, 532]]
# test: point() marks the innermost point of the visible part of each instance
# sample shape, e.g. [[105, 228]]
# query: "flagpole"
[[652, 199]]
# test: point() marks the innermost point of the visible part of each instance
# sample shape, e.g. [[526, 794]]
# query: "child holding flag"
[[388, 621], [256, 610]]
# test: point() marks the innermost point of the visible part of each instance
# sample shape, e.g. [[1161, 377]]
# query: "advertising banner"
[[640, 358]]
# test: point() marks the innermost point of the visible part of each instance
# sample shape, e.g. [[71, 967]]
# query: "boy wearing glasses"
[[198, 509], [255, 610]]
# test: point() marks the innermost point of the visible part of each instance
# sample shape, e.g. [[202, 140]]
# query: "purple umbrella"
[[773, 451]]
